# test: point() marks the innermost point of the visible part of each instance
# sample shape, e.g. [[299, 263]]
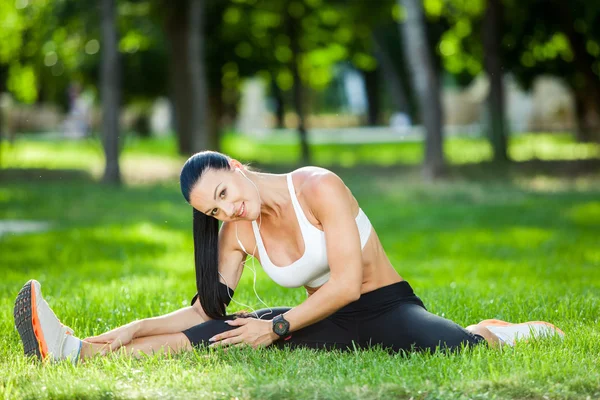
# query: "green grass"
[[518, 248]]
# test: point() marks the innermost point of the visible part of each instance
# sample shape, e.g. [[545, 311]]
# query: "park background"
[[469, 132]]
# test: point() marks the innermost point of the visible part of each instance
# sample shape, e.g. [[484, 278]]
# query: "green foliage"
[[48, 44], [22, 82]]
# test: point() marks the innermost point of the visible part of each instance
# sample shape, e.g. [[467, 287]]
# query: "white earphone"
[[253, 269]]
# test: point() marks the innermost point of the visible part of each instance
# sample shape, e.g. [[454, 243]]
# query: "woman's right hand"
[[115, 338]]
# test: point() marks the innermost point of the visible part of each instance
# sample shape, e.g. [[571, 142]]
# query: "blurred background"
[[431, 83]]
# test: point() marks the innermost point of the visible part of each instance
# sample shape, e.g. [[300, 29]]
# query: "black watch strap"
[[280, 326]]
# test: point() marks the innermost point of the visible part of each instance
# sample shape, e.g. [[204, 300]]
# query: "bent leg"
[[198, 335], [329, 333]]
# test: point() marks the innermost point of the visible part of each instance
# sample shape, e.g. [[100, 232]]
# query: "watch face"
[[280, 327]]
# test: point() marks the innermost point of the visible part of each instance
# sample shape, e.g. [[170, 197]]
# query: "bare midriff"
[[377, 268]]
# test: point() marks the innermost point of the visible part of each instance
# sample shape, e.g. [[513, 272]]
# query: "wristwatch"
[[280, 326]]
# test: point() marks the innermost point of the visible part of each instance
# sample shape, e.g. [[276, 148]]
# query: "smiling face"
[[226, 195]]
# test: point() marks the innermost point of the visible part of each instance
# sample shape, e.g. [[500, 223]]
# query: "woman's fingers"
[[238, 321], [111, 346], [228, 342], [226, 335], [99, 339]]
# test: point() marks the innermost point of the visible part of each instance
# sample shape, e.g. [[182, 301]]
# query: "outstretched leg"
[[169, 343], [44, 336]]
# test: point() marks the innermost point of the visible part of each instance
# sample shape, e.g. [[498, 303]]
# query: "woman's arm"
[[330, 203]]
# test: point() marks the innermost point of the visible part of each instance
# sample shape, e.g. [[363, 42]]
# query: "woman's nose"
[[231, 212]]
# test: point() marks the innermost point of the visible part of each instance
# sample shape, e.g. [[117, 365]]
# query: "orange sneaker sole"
[[28, 324]]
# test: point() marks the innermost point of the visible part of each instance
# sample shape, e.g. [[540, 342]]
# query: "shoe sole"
[[27, 322], [499, 322]]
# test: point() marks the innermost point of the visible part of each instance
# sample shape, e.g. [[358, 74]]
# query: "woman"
[[307, 229]]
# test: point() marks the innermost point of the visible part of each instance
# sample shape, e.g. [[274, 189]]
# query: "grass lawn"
[[518, 248]]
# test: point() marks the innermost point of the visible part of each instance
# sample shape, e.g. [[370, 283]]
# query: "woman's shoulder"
[[320, 187], [311, 179]]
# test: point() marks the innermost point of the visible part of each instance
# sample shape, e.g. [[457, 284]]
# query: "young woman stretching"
[[307, 229]]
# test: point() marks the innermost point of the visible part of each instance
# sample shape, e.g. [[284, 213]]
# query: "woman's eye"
[[222, 193], [214, 211]]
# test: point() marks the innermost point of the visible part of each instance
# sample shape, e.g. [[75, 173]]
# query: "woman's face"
[[226, 195]]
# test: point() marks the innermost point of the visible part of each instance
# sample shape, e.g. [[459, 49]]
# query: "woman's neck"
[[273, 192]]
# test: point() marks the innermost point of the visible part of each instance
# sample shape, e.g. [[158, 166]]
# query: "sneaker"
[[41, 332], [509, 333]]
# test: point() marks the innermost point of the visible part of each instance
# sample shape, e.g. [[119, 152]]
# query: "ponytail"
[[206, 254], [206, 234]]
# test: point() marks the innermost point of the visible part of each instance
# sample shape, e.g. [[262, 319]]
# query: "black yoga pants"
[[391, 317]]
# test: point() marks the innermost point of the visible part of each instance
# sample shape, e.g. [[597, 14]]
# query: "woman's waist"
[[382, 297]]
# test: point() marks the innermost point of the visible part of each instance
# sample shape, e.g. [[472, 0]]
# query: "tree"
[[587, 80], [493, 67], [110, 90], [196, 70], [294, 33], [426, 85]]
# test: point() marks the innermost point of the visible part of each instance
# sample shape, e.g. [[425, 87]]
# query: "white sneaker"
[[41, 332], [510, 333]]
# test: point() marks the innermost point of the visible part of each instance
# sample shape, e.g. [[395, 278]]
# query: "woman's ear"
[[233, 164]]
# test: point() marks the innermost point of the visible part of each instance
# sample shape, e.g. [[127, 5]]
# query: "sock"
[[72, 348]]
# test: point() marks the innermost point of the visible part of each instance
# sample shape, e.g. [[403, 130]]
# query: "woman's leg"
[[409, 326], [44, 336], [149, 345], [329, 333]]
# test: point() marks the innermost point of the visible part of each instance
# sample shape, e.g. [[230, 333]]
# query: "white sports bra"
[[312, 269]]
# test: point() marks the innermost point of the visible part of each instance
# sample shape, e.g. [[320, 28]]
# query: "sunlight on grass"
[[159, 156]]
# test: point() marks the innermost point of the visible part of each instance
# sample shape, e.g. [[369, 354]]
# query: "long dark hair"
[[206, 233]]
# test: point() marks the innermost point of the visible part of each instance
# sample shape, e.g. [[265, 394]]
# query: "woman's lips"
[[243, 210]]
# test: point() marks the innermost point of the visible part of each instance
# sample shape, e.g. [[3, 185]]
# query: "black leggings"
[[392, 317]]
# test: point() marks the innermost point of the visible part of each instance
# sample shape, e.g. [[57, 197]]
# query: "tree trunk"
[[217, 109], [279, 103], [176, 28], [197, 70], [391, 75], [372, 89], [426, 84], [582, 60], [493, 68], [110, 86], [587, 118], [293, 27]]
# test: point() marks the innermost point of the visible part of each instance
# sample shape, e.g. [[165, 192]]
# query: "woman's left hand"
[[251, 331]]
